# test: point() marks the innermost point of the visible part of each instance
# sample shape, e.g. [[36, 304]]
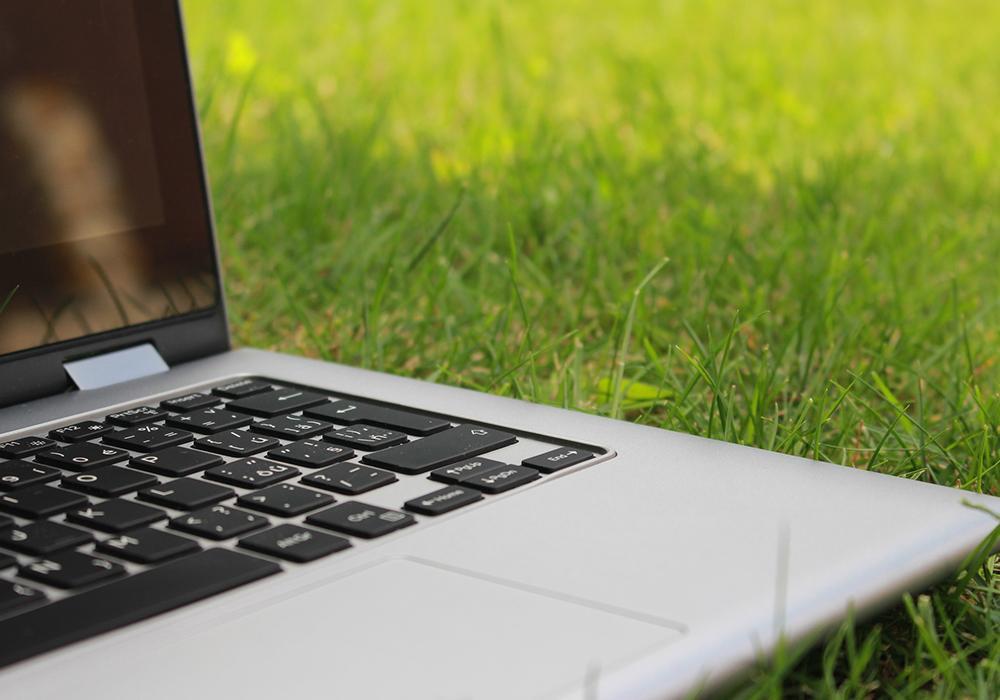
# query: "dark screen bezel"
[[37, 372]]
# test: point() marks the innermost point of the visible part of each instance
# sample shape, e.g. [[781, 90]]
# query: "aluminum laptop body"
[[347, 533]]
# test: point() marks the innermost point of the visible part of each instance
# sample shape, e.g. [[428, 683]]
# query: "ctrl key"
[[14, 595], [361, 519]]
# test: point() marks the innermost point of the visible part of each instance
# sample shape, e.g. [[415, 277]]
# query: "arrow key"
[[115, 515]]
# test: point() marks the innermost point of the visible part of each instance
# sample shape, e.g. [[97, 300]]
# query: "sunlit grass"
[[473, 192]]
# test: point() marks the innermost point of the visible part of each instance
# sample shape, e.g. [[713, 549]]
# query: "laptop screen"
[[103, 219]]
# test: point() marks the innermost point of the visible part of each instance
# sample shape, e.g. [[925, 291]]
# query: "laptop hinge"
[[117, 366]]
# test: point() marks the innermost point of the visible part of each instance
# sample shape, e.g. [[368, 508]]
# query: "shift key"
[[439, 449]]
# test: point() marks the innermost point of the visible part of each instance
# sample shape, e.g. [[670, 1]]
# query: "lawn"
[[770, 222]]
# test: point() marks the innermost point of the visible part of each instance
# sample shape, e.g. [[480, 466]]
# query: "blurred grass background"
[[483, 193]]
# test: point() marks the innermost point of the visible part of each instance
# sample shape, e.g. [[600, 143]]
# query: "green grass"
[[483, 193]]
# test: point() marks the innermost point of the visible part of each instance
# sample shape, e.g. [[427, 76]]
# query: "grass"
[[773, 223]]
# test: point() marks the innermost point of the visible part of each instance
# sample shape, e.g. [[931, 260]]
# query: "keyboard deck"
[[111, 520]]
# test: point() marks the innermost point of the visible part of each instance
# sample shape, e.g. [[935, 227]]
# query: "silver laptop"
[[179, 519]]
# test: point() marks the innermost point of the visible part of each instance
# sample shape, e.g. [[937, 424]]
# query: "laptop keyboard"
[[107, 522]]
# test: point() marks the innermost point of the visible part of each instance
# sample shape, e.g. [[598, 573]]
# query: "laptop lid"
[[106, 234]]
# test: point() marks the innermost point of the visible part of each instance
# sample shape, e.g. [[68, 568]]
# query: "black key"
[[147, 438], [440, 449], [351, 412], [108, 482], [136, 416], [361, 519], [176, 461], [242, 387], [210, 420], [251, 473], [365, 437], [127, 600], [295, 543], [43, 537], [22, 447], [290, 427], [81, 455], [5, 522], [190, 402], [116, 515], [285, 500], [14, 595], [311, 453], [39, 501], [7, 561], [349, 478], [77, 432], [557, 459], [218, 522], [236, 443], [185, 494], [17, 474], [443, 500], [454, 473], [280, 401], [147, 546], [501, 479], [71, 570]]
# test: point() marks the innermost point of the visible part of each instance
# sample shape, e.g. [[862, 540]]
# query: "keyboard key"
[[42, 538], [365, 437], [186, 494], [311, 453], [22, 447], [176, 461], [108, 482], [242, 387], [127, 600], [116, 515], [147, 438], [190, 402], [361, 519], [5, 522], [279, 401], [443, 500], [557, 459], [71, 570], [351, 412], [285, 500], [218, 522], [7, 561], [236, 443], [147, 546], [210, 420], [39, 501], [18, 474], [500, 479], [136, 416], [349, 478], [439, 449], [15, 595], [290, 427], [77, 432], [251, 473], [295, 543], [81, 456], [454, 473]]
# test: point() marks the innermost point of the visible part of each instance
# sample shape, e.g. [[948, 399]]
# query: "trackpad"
[[404, 628]]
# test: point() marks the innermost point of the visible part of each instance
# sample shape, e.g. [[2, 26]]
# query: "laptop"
[[182, 519]]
